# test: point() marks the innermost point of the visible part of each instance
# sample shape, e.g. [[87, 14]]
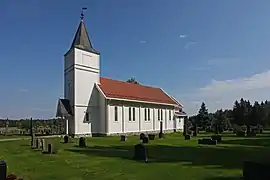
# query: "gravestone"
[[151, 136], [142, 135], [218, 138], [3, 170], [123, 138], [65, 139], [50, 148], [256, 170], [207, 141], [82, 142], [145, 140], [187, 137], [140, 152], [37, 143]]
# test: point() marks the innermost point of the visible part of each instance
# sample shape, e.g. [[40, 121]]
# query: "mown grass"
[[108, 158]]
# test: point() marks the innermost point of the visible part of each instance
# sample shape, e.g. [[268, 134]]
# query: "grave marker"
[[3, 170], [140, 152]]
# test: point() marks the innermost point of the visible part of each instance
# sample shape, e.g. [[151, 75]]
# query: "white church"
[[95, 105]]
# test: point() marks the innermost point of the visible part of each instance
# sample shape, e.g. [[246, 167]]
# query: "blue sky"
[[213, 51]]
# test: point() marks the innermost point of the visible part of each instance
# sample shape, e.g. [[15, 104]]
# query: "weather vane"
[[82, 12]]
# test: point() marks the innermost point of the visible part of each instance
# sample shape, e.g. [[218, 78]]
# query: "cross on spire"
[[82, 13]]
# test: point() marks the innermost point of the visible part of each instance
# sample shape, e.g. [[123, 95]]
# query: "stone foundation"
[[127, 134]]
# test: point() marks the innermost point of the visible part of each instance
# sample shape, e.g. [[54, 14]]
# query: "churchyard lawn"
[[108, 158]]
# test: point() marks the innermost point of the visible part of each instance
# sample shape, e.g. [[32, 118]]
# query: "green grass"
[[108, 158]]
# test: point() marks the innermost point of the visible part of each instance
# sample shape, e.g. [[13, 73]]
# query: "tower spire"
[[82, 13], [81, 39]]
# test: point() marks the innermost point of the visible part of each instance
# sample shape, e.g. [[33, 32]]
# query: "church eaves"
[[81, 39]]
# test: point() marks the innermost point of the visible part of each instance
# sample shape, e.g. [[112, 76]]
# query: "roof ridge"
[[148, 86]]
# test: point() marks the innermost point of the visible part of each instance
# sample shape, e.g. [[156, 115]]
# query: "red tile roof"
[[124, 90]]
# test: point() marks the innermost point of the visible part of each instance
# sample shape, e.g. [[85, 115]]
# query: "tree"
[[133, 80], [203, 117], [220, 121]]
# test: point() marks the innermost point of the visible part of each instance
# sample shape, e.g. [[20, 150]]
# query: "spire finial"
[[82, 13]]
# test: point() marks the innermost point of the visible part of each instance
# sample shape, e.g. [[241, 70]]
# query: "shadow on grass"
[[254, 141], [225, 178], [221, 157]]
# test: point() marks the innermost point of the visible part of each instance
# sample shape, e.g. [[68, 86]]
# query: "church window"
[[129, 113], [115, 113], [161, 114], [148, 114], [145, 114], [170, 115], [158, 114], [133, 114], [87, 117]]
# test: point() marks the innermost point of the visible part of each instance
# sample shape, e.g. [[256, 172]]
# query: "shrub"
[[13, 177]]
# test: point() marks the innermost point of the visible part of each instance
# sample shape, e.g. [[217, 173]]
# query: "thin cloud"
[[142, 42], [23, 90], [199, 68], [188, 44], [182, 36], [42, 109], [223, 93], [256, 81], [222, 61]]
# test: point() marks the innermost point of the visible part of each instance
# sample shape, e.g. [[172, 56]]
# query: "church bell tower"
[[81, 73]]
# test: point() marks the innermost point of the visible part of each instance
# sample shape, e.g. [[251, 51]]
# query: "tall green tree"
[[203, 117], [133, 80]]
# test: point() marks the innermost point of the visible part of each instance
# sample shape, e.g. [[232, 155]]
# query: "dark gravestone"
[[82, 142], [218, 138], [251, 134], [50, 148], [187, 137], [256, 170], [142, 135], [37, 143], [207, 141], [241, 133], [65, 139], [151, 136], [3, 170], [140, 152], [123, 138], [145, 140]]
